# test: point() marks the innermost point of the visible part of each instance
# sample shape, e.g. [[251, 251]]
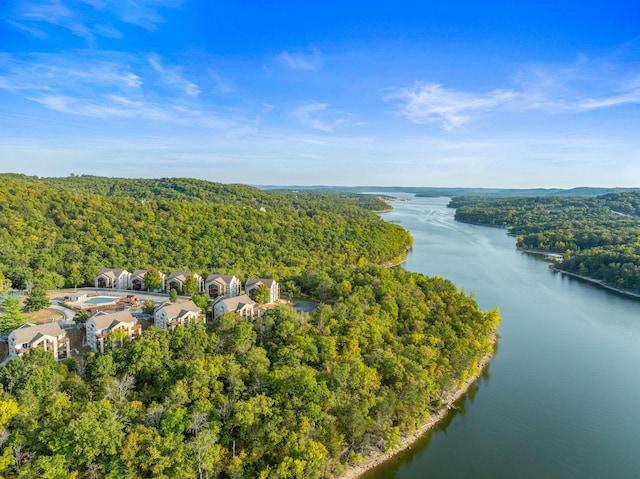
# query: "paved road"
[[67, 313]]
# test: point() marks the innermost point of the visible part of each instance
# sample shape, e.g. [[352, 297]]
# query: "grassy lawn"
[[43, 316]]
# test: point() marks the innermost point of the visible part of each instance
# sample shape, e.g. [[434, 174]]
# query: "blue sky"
[[430, 93]]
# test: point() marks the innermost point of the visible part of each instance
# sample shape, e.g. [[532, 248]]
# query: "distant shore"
[[597, 282], [588, 279], [378, 458]]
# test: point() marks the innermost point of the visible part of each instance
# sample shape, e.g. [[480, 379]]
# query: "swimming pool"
[[100, 300]]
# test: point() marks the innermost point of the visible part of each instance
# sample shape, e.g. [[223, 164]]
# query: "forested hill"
[[50, 225], [286, 395], [599, 237]]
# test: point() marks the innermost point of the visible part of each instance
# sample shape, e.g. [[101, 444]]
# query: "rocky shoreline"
[[376, 459]]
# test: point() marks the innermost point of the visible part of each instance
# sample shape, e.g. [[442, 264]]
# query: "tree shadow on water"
[[391, 469]]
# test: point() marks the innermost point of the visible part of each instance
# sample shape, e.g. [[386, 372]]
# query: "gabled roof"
[[238, 302], [178, 310], [27, 333], [256, 281], [221, 278], [108, 320], [139, 272], [111, 272], [181, 276]]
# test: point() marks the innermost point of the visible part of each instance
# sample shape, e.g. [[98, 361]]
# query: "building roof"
[[139, 272], [238, 302], [108, 320], [181, 276], [177, 310], [111, 272], [267, 282], [220, 278], [27, 333]]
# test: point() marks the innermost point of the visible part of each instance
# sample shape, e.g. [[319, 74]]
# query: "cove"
[[560, 399]]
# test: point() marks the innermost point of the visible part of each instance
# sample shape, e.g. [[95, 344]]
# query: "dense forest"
[[599, 237], [51, 227], [287, 395]]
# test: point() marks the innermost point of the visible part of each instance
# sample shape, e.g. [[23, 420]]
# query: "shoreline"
[[405, 442], [597, 282]]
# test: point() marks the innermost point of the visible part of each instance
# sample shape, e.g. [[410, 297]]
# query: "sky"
[[408, 93]]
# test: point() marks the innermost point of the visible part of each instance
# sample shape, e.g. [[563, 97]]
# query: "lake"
[[561, 397]]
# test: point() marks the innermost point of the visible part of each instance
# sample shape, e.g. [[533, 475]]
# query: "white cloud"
[[317, 116], [108, 30], [299, 61], [51, 72], [430, 102], [172, 76], [53, 11], [107, 88], [88, 18], [583, 86], [33, 31], [144, 13], [222, 86]]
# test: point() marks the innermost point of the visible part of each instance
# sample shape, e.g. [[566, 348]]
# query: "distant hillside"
[[50, 225], [451, 192], [598, 236]]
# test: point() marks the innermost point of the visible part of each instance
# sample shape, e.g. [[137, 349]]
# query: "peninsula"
[[276, 394]]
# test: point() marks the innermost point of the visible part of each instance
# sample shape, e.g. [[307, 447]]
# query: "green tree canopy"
[[153, 280], [261, 294], [37, 300], [10, 316]]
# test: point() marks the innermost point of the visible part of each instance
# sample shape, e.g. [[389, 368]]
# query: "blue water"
[[561, 397], [99, 300]]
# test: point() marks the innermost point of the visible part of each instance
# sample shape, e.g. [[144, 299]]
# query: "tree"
[[94, 435], [117, 337], [202, 301], [37, 300], [75, 276], [190, 286], [262, 294], [148, 307], [5, 284], [10, 318], [153, 280], [81, 316], [173, 296]]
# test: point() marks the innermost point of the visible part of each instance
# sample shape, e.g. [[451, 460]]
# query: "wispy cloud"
[[120, 107], [317, 115], [222, 86], [49, 72], [87, 19], [300, 61], [583, 86], [172, 76], [115, 87], [144, 13], [430, 102], [31, 30]]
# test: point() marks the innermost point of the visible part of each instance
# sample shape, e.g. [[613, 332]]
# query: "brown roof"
[[181, 276], [139, 272], [237, 302], [220, 278], [113, 273], [177, 310], [28, 332], [108, 320], [251, 281]]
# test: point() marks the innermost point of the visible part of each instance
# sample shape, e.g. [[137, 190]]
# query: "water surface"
[[561, 398]]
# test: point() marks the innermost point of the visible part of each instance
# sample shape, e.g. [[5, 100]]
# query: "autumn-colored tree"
[[153, 280]]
